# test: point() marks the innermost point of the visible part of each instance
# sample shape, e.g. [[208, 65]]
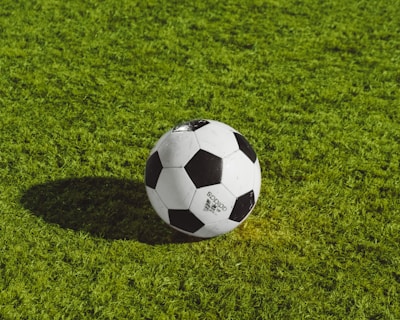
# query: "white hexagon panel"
[[175, 188], [157, 204], [238, 173], [217, 140], [177, 149], [216, 228], [222, 125]]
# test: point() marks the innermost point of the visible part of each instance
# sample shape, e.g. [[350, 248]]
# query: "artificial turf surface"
[[88, 87]]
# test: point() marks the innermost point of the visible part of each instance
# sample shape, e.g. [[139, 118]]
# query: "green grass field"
[[88, 87]]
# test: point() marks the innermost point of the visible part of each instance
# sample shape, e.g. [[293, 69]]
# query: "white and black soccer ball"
[[203, 178]]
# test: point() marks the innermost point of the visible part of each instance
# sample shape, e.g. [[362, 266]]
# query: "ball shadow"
[[109, 208]]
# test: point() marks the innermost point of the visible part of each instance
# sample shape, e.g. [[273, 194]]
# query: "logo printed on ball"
[[213, 204]]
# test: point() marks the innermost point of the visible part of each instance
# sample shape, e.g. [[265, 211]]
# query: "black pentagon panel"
[[191, 125], [243, 206], [205, 169], [153, 170], [185, 220], [245, 146]]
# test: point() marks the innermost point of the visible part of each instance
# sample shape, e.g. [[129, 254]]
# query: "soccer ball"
[[203, 178]]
